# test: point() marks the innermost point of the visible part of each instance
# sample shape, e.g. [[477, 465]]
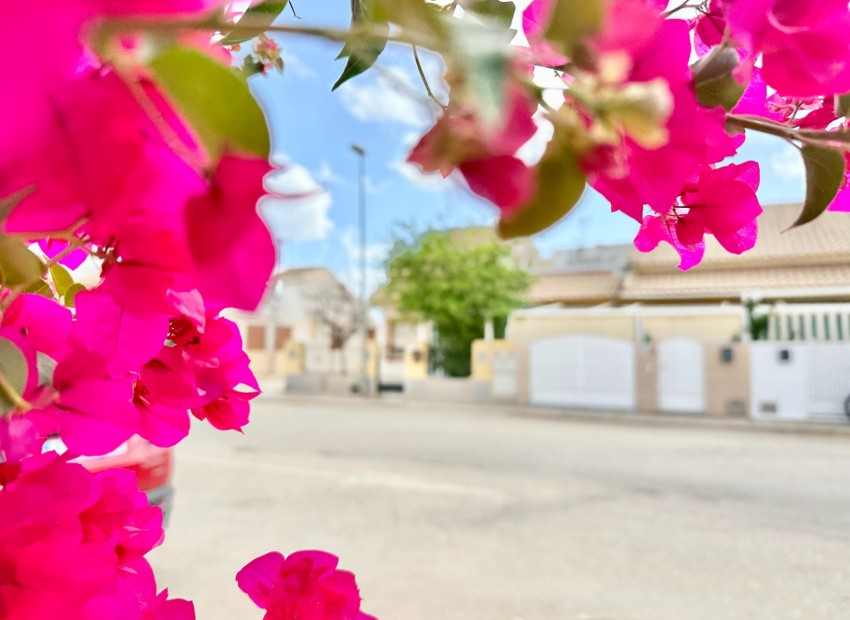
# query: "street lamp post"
[[361, 217]]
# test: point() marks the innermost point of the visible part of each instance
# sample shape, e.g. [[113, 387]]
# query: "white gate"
[[780, 377], [681, 376], [582, 371], [829, 381]]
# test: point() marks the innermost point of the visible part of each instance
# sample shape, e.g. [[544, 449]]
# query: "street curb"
[[663, 420], [624, 418]]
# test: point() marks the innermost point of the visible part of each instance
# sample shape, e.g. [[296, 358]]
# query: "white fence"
[[799, 380]]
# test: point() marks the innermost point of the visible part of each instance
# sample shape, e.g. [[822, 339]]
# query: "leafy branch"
[[839, 139]]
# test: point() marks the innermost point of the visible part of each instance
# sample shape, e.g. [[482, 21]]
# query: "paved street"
[[470, 513]]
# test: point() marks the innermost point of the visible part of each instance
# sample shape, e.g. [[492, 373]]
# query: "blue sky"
[[385, 111]]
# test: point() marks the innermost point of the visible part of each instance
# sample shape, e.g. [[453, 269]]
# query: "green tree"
[[458, 286]]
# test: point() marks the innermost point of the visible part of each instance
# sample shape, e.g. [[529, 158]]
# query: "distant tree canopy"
[[458, 287]]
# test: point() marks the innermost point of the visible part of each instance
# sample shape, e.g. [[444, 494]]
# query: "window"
[[256, 337], [281, 337]]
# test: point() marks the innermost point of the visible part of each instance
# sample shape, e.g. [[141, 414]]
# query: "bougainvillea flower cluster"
[[306, 585], [72, 545]]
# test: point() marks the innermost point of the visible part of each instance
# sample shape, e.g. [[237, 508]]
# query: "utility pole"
[[361, 217]]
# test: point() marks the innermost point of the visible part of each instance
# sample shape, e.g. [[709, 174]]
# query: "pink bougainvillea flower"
[[86, 160], [306, 585], [163, 394], [222, 374], [754, 100], [710, 27], [231, 248], [127, 339], [122, 517], [44, 323], [804, 45], [71, 545], [92, 412], [19, 438], [53, 247], [146, 266], [487, 160], [206, 372], [535, 17], [154, 7], [164, 608], [696, 135], [658, 228], [628, 26], [722, 202]]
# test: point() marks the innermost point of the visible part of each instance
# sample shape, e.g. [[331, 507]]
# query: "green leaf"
[[61, 277], [10, 202], [251, 66], [363, 52], [572, 22], [71, 293], [417, 17], [257, 18], [501, 11], [824, 175], [560, 184], [842, 105], [40, 287], [715, 84], [15, 371], [18, 266], [214, 99]]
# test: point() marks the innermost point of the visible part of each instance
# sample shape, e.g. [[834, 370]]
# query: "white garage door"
[[582, 371], [681, 376]]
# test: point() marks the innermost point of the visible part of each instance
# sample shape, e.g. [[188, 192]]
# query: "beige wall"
[[646, 376], [707, 328], [529, 329], [727, 383], [718, 328], [416, 361], [482, 357]]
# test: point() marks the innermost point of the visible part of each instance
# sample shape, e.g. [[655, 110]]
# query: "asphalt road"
[[456, 513]]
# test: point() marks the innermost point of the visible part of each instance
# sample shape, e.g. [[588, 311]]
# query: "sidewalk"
[[580, 416]]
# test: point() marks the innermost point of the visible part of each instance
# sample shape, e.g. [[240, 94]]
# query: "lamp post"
[[361, 217]]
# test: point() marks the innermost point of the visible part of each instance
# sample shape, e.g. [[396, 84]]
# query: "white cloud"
[[788, 165], [326, 175], [388, 95], [433, 182], [297, 66], [302, 214]]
